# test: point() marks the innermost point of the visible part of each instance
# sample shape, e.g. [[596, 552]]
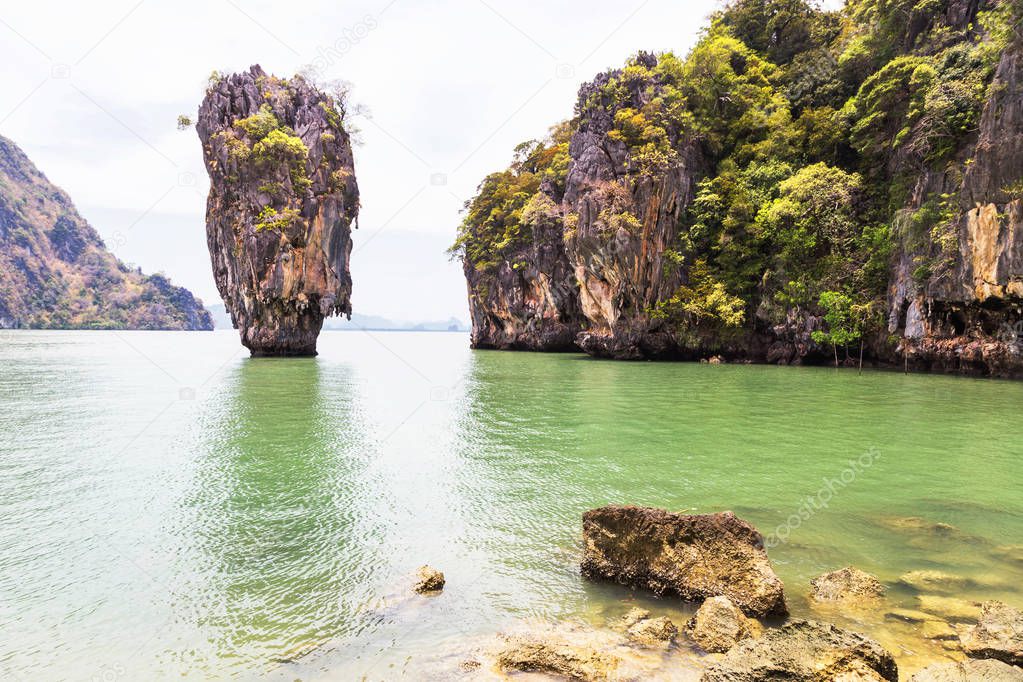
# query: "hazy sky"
[[92, 90]]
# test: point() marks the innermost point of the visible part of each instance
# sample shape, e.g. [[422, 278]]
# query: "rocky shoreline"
[[740, 631]]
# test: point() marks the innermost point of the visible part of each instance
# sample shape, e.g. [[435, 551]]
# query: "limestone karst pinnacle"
[[283, 201]]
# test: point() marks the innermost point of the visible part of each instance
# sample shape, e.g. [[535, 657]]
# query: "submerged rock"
[[719, 625], [653, 631], [939, 630], [969, 671], [641, 627], [998, 634], [1013, 553], [806, 651], [429, 580], [283, 200], [692, 556], [847, 584], [910, 615], [916, 524], [950, 608], [556, 657], [929, 581], [634, 616]]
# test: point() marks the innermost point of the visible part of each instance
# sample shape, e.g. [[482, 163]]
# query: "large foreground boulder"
[[806, 651], [969, 671], [998, 634], [693, 556]]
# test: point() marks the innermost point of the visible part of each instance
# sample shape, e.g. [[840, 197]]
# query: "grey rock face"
[[620, 268], [530, 302], [967, 316]]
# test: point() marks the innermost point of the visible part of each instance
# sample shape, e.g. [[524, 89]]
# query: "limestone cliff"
[[522, 291], [283, 201], [56, 273], [816, 187], [530, 301], [592, 259], [968, 314], [623, 220]]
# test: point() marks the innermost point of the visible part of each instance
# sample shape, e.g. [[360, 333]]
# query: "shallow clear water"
[[172, 508]]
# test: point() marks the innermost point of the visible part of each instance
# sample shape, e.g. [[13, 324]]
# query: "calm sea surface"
[[170, 508]]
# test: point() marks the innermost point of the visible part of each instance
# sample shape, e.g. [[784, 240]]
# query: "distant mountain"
[[56, 273], [222, 320], [373, 323]]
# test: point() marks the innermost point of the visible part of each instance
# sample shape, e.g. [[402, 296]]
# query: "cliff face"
[[522, 292], [283, 201], [529, 301], [623, 221], [593, 261], [967, 315], [56, 273], [852, 188]]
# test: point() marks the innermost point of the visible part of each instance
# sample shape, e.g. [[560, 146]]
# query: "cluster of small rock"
[[719, 560]]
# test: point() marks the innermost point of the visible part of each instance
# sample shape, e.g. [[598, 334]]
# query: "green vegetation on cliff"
[[494, 220], [813, 127]]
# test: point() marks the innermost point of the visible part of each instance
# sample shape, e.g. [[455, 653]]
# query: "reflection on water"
[[270, 527], [275, 516]]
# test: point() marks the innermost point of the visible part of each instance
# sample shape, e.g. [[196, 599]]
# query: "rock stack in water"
[[282, 204]]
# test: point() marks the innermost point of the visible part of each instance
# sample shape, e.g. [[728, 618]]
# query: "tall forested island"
[[804, 186]]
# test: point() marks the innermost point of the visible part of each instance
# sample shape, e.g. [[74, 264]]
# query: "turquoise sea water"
[[173, 509]]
